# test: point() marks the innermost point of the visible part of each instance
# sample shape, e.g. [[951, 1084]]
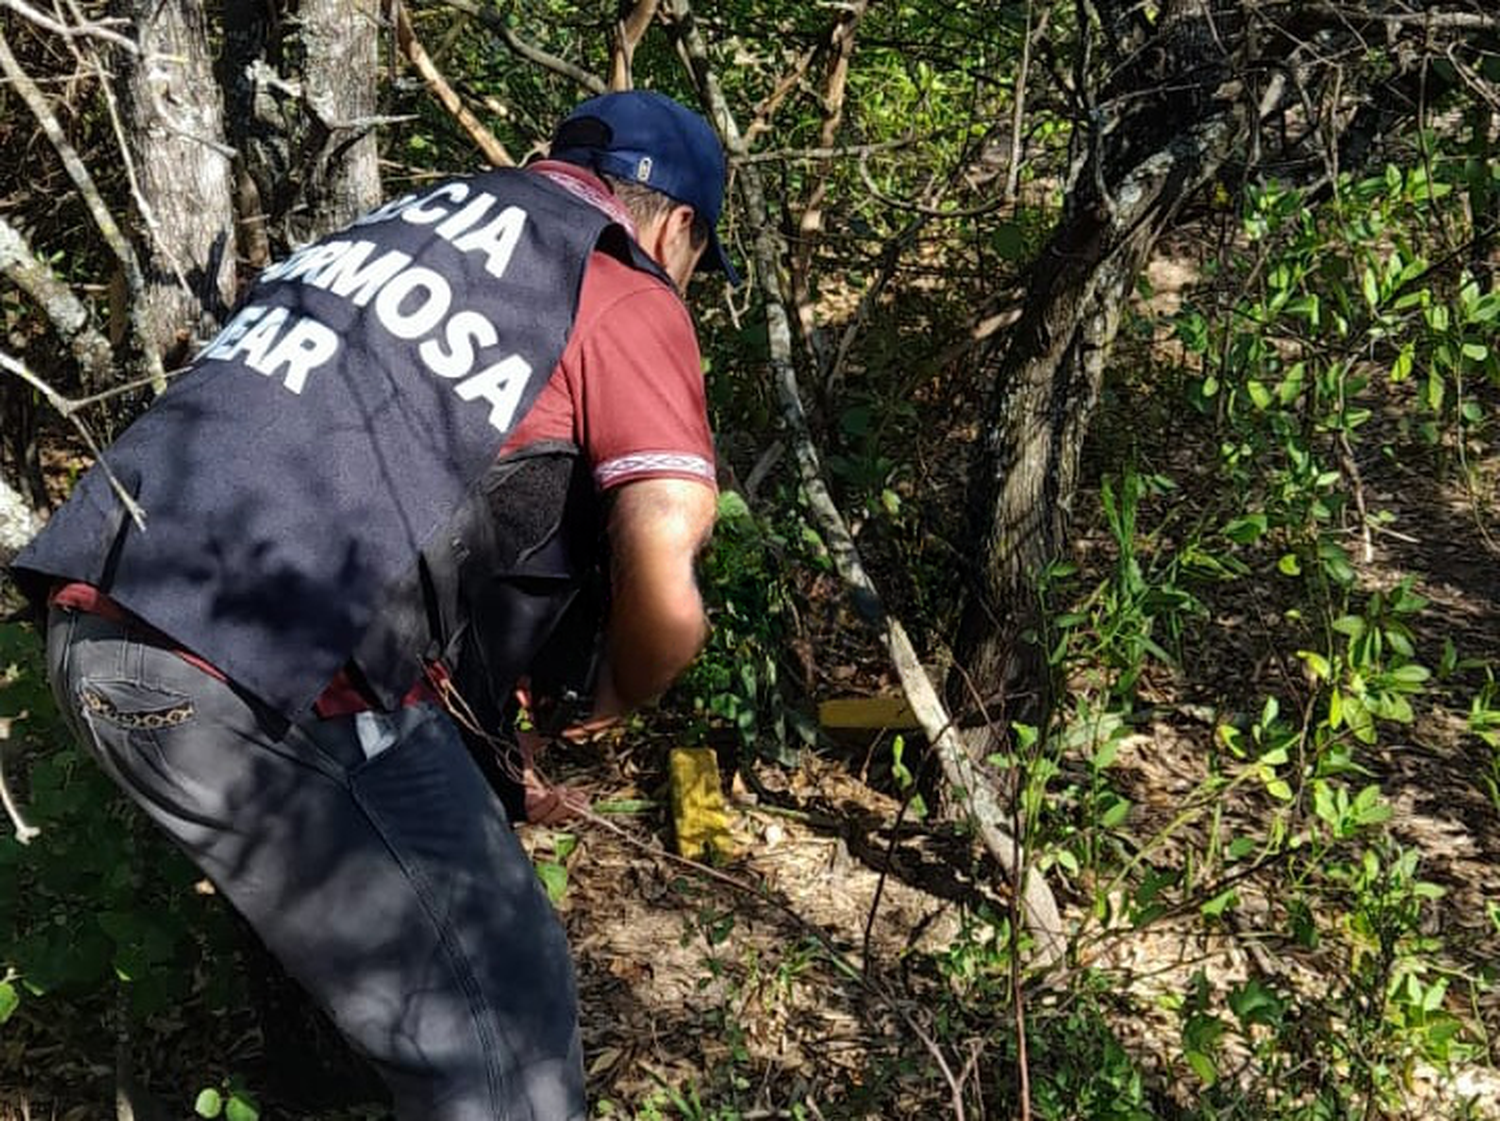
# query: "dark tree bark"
[[300, 80], [175, 132], [1180, 106], [340, 44], [1178, 122]]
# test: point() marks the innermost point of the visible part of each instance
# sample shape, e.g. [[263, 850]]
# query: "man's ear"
[[681, 219]]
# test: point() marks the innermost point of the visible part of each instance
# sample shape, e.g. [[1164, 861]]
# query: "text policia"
[[409, 301]]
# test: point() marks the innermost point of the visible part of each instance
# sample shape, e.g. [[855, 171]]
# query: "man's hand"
[[656, 622]]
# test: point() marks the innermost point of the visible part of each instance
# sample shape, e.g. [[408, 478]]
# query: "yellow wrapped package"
[[700, 817]]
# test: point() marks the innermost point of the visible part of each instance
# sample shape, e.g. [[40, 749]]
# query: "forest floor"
[[838, 966]]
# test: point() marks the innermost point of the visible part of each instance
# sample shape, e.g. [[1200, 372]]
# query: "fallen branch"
[[1038, 903], [438, 86]]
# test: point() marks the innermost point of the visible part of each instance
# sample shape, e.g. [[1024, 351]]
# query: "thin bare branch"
[[1429, 19], [494, 19], [25, 833], [438, 86], [972, 789], [68, 409], [760, 120], [114, 237], [57, 301], [628, 34], [791, 155], [92, 29], [810, 224], [147, 212]]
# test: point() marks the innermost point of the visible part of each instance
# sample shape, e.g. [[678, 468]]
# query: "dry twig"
[[438, 86]]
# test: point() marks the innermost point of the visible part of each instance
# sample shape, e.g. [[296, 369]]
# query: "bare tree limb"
[[494, 19], [143, 206], [114, 237], [64, 310], [1430, 19], [810, 224], [760, 120], [438, 86], [25, 833], [788, 155], [98, 29], [1035, 29], [1039, 905], [628, 33]]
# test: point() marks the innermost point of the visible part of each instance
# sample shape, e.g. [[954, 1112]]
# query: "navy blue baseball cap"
[[647, 138]]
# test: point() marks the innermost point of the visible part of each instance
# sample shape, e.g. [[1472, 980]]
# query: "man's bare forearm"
[[656, 624]]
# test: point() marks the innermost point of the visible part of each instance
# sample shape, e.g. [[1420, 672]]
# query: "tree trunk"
[[175, 129], [340, 41], [1048, 378]]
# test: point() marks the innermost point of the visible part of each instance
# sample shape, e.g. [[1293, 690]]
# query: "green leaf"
[[1220, 903], [1317, 664], [210, 1103], [1278, 788], [554, 878], [1412, 674], [1255, 1004], [10, 1000], [241, 1108], [1289, 565], [1247, 529], [1351, 625], [1203, 1067], [1009, 240], [1115, 812], [732, 506], [1402, 367], [1370, 808], [1241, 847]]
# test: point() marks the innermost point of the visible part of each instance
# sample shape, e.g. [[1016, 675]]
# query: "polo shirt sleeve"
[[635, 376]]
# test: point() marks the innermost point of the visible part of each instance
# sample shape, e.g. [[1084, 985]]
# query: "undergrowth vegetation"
[[1266, 791]]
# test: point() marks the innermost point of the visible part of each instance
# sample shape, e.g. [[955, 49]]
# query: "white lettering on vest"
[[466, 332], [281, 268], [306, 345], [257, 341], [497, 240], [462, 220], [429, 311], [420, 215], [221, 348], [500, 385], [388, 210], [348, 275]]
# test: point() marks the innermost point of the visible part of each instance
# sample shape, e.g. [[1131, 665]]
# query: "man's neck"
[[584, 184]]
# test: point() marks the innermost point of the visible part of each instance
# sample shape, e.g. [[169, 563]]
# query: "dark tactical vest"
[[318, 485]]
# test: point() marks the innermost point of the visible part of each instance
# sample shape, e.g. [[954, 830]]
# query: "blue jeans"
[[371, 857]]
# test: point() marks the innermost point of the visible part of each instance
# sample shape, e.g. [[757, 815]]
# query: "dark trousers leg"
[[370, 856]]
